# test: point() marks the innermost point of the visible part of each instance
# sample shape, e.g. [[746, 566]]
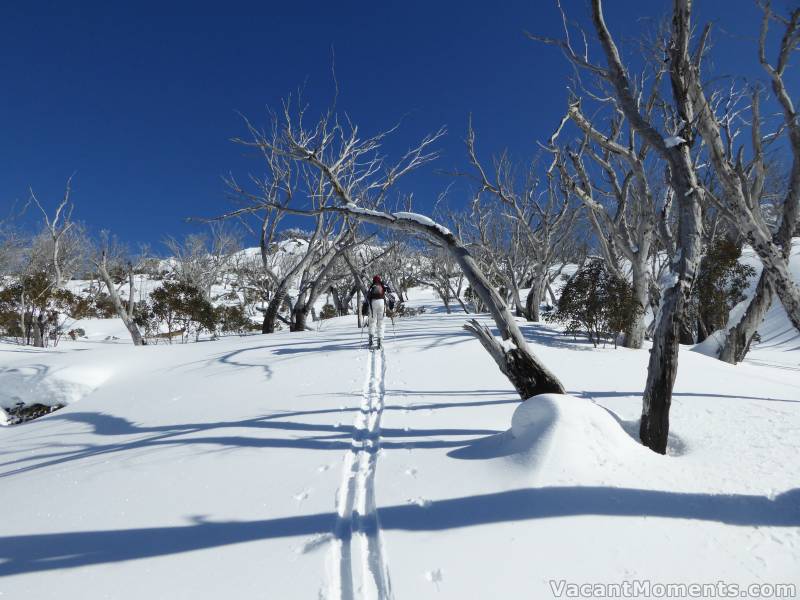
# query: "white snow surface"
[[424, 220], [238, 468]]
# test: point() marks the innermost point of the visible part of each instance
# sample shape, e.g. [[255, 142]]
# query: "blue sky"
[[141, 101]]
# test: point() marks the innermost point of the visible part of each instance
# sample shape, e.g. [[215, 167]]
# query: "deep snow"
[[238, 468]]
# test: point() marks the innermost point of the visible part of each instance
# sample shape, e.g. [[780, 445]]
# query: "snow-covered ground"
[[237, 468]]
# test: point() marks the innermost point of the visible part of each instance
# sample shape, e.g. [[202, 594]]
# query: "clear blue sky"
[[141, 101]]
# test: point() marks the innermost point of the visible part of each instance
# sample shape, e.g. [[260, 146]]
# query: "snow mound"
[[101, 330], [572, 435], [712, 345], [37, 384]]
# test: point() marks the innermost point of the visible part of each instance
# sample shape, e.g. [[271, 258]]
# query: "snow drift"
[[572, 434], [38, 384]]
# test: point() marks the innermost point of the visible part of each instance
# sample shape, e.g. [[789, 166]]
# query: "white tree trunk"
[[738, 338], [125, 315], [640, 275]]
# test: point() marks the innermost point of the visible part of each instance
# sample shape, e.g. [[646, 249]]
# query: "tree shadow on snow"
[[324, 437], [52, 551], [638, 395]]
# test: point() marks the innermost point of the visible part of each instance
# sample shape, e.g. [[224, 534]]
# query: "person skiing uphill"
[[377, 296]]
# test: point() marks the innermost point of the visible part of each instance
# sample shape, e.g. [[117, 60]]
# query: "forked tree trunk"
[[738, 339], [535, 296], [125, 315], [663, 365], [300, 316], [273, 308], [342, 308], [776, 265]]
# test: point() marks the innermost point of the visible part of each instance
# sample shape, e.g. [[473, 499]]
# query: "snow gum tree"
[[675, 151], [543, 211], [110, 257], [352, 167]]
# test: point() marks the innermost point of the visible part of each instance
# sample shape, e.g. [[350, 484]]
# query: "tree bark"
[[777, 268], [634, 337], [358, 308], [535, 294], [663, 365], [738, 339], [273, 308], [38, 338], [299, 320], [532, 306]]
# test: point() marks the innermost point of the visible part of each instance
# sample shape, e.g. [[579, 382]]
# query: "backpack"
[[376, 292]]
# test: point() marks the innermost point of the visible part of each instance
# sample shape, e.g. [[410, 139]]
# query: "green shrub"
[[596, 302], [720, 285], [181, 304], [232, 319], [104, 306], [328, 312]]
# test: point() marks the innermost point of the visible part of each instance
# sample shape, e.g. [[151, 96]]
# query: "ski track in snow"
[[356, 507]]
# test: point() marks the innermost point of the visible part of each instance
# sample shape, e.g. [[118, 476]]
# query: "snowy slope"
[[780, 342], [235, 468], [779, 346]]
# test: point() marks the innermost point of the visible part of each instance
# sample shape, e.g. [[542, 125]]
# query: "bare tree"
[[743, 185], [47, 263], [320, 274], [305, 265], [500, 246], [352, 167], [675, 151], [546, 216], [628, 230], [391, 259], [57, 227], [110, 257], [202, 259], [11, 250], [439, 273]]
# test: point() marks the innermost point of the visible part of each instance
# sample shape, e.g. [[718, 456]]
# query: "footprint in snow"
[[435, 577], [323, 468], [313, 543], [412, 472], [301, 496]]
